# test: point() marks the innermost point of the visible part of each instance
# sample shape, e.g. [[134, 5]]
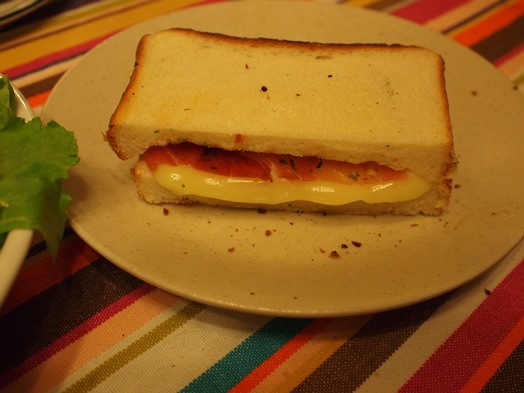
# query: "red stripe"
[[46, 273], [501, 60], [54, 57], [424, 10], [494, 22], [496, 359], [447, 370], [279, 357], [74, 335]]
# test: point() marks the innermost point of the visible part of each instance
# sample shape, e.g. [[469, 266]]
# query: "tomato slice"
[[265, 166], [207, 159]]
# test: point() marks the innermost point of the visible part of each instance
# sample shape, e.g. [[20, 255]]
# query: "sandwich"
[[276, 124]]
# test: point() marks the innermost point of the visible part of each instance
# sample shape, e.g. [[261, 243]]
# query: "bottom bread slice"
[[432, 203]]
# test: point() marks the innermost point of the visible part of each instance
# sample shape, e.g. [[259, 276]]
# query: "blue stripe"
[[238, 363]]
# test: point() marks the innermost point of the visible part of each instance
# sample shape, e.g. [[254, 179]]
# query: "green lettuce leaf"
[[34, 160]]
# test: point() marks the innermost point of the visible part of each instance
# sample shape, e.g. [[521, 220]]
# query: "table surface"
[[83, 324]]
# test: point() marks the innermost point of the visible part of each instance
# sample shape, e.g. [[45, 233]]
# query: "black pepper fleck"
[[354, 176]]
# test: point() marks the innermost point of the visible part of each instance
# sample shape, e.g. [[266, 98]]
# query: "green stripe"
[[144, 343], [236, 365]]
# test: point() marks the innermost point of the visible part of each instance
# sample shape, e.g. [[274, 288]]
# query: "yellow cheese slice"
[[185, 180]]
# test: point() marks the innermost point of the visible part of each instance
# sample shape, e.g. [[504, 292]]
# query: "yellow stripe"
[[68, 38], [91, 10], [144, 343], [360, 3], [76, 16]]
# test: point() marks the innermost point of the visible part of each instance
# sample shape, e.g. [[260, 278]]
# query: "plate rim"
[[271, 311]]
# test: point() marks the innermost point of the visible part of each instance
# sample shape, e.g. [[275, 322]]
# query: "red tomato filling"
[[212, 160], [264, 165]]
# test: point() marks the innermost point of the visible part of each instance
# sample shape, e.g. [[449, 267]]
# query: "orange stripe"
[[72, 257], [279, 357], [38, 99], [496, 359], [487, 27], [306, 360], [457, 14], [72, 358]]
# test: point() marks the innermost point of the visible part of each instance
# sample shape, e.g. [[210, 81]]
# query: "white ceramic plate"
[[17, 243], [279, 263]]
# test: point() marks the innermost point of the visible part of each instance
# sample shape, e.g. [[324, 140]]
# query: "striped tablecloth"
[[82, 324]]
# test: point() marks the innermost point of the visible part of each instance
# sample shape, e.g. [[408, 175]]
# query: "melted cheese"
[[184, 180]]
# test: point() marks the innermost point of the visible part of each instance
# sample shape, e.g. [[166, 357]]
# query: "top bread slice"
[[348, 102]]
